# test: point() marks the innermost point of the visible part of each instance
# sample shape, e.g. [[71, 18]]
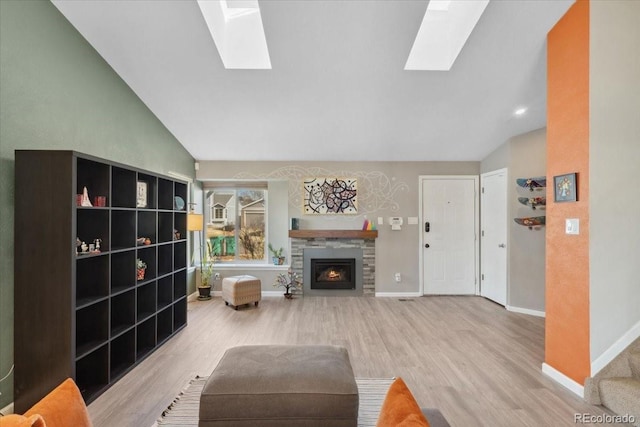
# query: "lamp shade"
[[194, 222]]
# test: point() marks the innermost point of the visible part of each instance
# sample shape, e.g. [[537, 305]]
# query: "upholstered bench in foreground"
[[240, 290], [281, 386]]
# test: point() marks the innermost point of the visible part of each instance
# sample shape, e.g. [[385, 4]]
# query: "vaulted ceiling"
[[337, 89]]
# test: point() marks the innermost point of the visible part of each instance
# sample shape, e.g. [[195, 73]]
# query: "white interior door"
[[493, 237], [449, 231]]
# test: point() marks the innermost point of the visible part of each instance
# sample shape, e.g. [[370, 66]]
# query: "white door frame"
[[476, 228]]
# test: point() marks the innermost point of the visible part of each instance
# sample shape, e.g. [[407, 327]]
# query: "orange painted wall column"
[[567, 256]]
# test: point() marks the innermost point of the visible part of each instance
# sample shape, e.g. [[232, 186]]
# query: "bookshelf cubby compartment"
[[147, 225], [148, 255], [180, 255], [92, 327], [100, 321], [180, 224], [146, 191], [92, 278], [94, 176], [92, 224], [165, 194], [123, 312], [146, 301], [123, 270], [179, 314], [92, 375], [180, 190], [165, 259], [145, 338], [123, 354], [165, 324], [179, 285], [123, 188], [165, 292], [123, 229], [165, 227]]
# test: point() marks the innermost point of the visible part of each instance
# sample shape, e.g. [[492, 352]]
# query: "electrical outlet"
[[216, 276], [398, 277]]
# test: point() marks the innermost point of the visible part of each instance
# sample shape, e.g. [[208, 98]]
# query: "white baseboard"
[[7, 409], [623, 342], [563, 380], [398, 294], [526, 311], [273, 293], [194, 296]]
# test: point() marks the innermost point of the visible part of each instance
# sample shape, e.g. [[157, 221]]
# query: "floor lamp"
[[195, 222]]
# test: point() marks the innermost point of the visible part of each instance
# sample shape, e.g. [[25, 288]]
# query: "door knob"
[[502, 245], [426, 245]]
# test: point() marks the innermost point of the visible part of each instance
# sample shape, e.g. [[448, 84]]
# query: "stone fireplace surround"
[[336, 239]]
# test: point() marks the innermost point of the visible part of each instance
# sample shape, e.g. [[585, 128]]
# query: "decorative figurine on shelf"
[[84, 247], [176, 234], [85, 198], [97, 245], [78, 245]]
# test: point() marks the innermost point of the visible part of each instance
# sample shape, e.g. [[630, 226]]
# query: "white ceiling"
[[337, 89]]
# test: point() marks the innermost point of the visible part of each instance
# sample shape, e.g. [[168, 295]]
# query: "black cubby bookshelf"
[[96, 319]]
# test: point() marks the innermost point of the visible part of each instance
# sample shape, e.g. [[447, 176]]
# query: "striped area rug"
[[183, 411]]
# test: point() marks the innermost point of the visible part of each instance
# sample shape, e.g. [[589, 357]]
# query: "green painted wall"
[[56, 92]]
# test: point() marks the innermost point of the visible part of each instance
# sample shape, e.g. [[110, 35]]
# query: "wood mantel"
[[336, 234]]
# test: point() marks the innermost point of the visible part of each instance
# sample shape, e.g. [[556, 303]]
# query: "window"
[[236, 223]]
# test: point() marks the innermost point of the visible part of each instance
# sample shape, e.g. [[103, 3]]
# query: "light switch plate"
[[380, 220], [412, 220], [572, 226]]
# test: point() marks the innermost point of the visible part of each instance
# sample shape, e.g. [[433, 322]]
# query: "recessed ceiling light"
[[520, 111], [445, 28]]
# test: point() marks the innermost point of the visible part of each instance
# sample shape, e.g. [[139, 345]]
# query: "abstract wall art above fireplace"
[[326, 196]]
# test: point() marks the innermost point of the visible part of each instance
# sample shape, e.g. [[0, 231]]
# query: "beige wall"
[[527, 158], [384, 189], [614, 163], [524, 156]]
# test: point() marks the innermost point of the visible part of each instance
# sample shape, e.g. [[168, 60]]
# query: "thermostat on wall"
[[395, 222]]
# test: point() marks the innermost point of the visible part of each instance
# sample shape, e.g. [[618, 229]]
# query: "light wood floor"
[[476, 362]]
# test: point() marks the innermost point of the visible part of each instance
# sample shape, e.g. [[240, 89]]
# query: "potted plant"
[[206, 272], [289, 281], [277, 257], [141, 267]]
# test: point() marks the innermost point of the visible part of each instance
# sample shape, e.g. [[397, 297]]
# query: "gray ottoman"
[[280, 386]]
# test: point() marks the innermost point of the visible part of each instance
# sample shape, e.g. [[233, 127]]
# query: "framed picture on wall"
[[327, 195], [565, 188]]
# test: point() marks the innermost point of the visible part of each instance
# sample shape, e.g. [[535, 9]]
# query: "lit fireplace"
[[333, 273]]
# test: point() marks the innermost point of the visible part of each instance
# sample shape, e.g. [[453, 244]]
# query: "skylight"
[[445, 28], [236, 28]]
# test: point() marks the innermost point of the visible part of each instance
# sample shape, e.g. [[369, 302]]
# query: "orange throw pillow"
[[63, 407], [14, 420], [400, 408]]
